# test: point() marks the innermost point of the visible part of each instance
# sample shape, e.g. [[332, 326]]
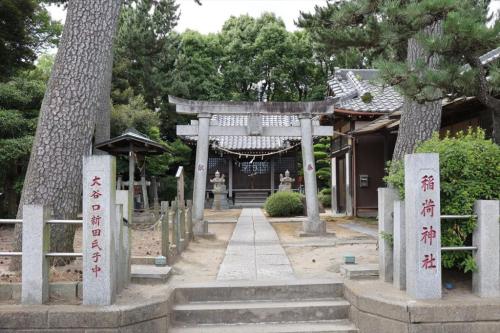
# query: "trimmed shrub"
[[284, 204], [325, 197], [470, 170]]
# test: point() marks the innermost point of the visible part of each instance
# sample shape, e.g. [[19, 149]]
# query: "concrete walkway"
[[254, 251]]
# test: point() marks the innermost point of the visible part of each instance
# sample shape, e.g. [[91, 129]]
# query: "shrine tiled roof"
[[254, 142], [350, 85]]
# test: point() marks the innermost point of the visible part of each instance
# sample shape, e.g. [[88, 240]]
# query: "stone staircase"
[[250, 199], [261, 307]]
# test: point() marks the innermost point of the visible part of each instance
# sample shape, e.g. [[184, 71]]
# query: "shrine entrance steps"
[[263, 307], [250, 199]]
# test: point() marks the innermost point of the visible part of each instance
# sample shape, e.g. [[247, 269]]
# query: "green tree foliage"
[[380, 30], [20, 100], [323, 168], [469, 171], [26, 28], [144, 53], [284, 204], [262, 60], [195, 75]]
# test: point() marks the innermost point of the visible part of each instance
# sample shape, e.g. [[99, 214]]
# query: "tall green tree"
[[68, 116], [262, 60], [20, 100], [26, 29]]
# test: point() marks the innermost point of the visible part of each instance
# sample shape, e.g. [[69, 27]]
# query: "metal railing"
[[48, 254], [458, 248]]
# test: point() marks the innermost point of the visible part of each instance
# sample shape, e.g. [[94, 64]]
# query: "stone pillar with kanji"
[[423, 226], [99, 215]]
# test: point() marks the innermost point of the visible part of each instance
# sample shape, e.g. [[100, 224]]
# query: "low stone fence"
[[410, 235], [105, 244], [174, 240]]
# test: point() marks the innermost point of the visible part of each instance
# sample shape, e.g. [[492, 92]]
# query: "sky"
[[213, 13]]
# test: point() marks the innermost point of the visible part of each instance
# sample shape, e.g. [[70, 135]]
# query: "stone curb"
[[152, 314], [368, 305]]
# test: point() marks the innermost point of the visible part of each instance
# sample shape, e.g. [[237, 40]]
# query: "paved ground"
[[254, 251]]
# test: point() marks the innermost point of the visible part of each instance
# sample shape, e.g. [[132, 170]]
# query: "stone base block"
[[206, 235], [139, 260], [360, 272], [148, 274]]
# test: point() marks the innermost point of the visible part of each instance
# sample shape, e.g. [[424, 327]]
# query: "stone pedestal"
[[220, 200], [486, 280], [386, 198], [423, 226], [36, 242], [99, 218], [399, 245]]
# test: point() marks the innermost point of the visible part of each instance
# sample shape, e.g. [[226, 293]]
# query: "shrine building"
[[252, 164]]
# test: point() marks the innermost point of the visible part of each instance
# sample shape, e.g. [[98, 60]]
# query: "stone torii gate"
[[204, 111]]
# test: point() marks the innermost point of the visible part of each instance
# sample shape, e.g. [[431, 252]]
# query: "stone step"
[[250, 200], [260, 311], [327, 326], [255, 291], [249, 204]]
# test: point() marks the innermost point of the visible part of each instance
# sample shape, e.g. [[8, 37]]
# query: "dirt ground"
[[200, 261], [321, 257]]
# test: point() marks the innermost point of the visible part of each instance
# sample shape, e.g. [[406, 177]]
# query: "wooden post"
[[182, 225], [272, 175], [131, 171], [164, 229], [144, 190], [189, 219], [175, 227], [230, 171], [154, 190]]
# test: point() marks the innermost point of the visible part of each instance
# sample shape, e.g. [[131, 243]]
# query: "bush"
[[325, 197], [470, 171], [284, 204]]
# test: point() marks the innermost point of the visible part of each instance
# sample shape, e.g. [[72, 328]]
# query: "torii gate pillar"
[[200, 174], [313, 224]]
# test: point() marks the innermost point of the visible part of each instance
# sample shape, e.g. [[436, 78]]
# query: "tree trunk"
[[495, 114], [68, 116], [484, 96], [418, 120], [103, 123]]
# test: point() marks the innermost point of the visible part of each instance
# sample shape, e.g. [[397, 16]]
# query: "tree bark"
[[68, 116], [103, 123], [484, 96], [418, 120]]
